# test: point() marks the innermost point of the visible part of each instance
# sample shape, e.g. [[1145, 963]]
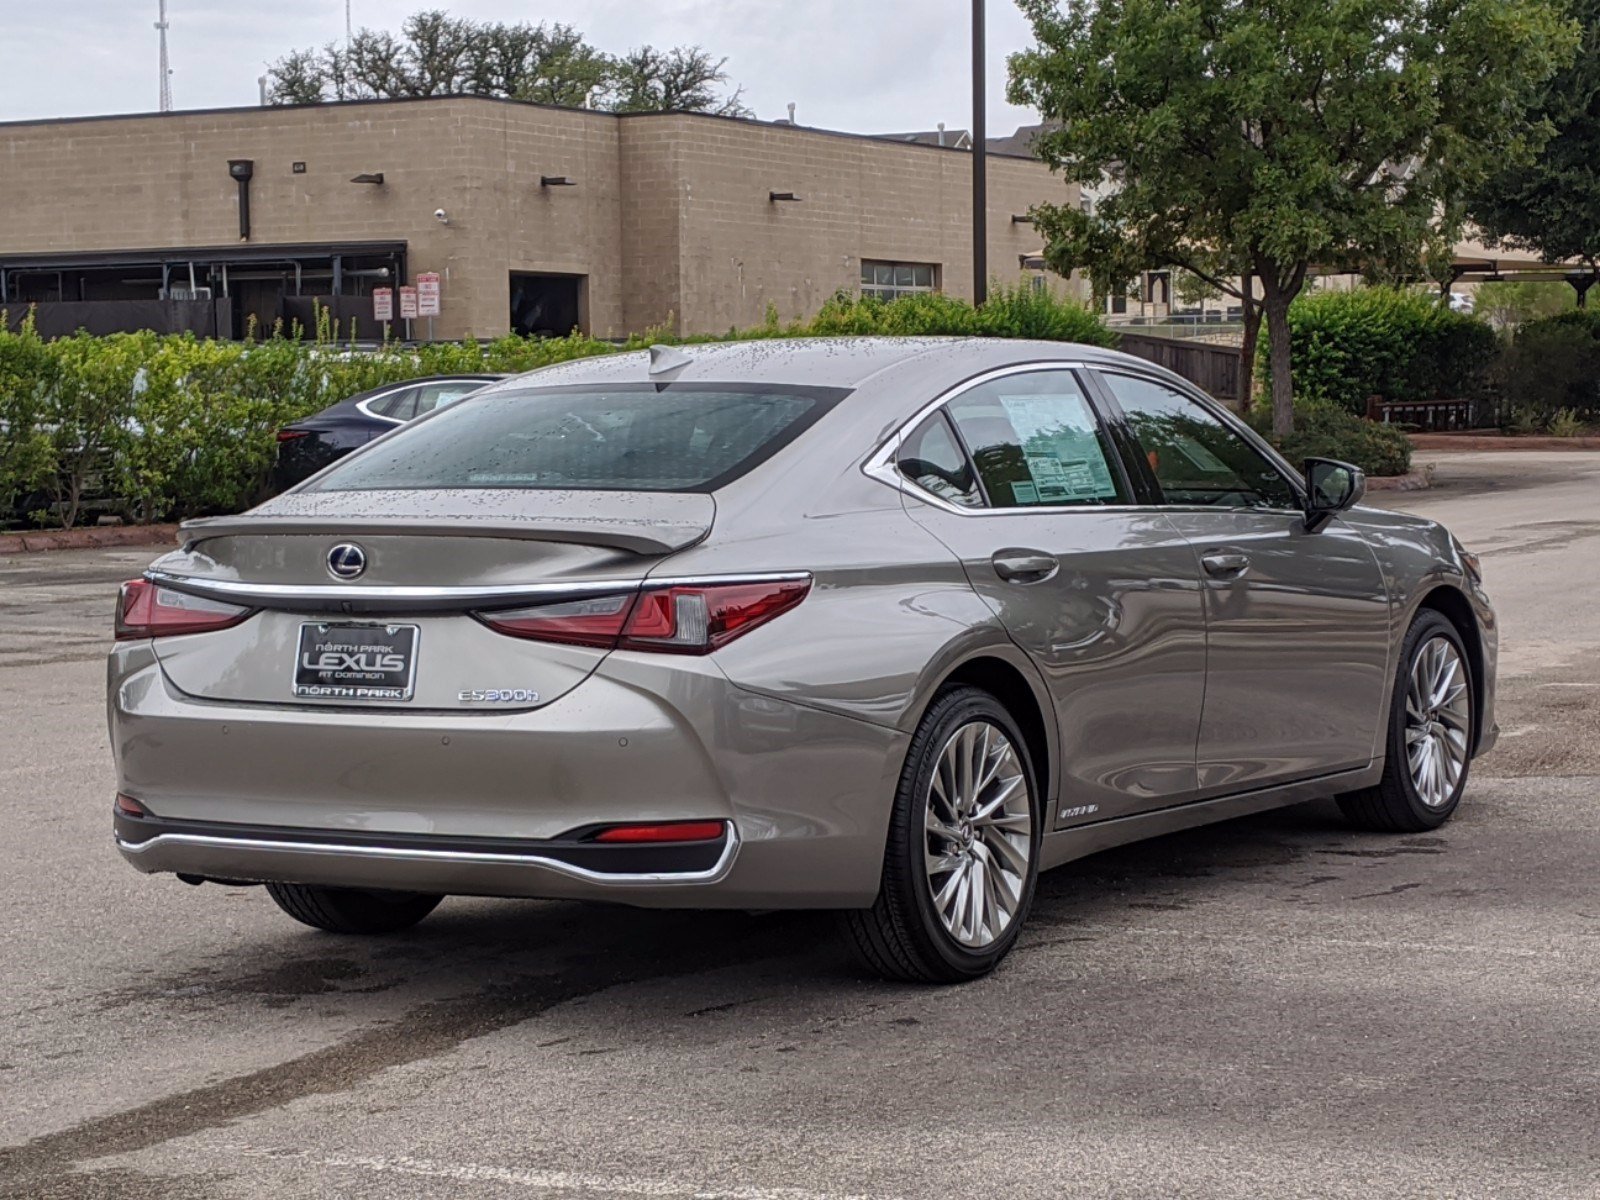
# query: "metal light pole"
[[166, 66], [980, 163]]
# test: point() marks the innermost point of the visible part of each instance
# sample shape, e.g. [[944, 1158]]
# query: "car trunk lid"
[[428, 561]]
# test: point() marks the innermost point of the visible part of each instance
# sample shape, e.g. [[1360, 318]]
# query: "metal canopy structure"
[[106, 290]]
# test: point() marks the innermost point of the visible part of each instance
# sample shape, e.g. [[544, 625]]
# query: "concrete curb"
[[86, 539], [1499, 441], [1414, 481]]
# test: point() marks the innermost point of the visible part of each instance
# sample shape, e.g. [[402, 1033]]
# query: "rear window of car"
[[622, 437]]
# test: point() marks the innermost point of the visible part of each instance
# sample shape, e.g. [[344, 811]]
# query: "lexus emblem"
[[347, 561]]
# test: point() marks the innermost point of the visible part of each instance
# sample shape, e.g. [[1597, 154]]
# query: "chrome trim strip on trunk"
[[395, 596], [714, 874], [418, 598]]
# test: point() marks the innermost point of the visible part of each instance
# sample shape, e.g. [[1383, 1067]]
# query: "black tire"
[[901, 936], [1393, 804], [352, 910]]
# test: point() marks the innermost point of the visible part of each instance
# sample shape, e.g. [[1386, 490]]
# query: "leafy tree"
[[1508, 305], [683, 79], [1552, 206], [1271, 137], [437, 54]]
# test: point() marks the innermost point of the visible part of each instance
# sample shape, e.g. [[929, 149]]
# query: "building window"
[[891, 280]]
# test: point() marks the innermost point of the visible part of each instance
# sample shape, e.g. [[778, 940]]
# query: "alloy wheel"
[[979, 834], [1438, 721]]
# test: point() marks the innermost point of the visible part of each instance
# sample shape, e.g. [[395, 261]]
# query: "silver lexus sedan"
[[883, 626]]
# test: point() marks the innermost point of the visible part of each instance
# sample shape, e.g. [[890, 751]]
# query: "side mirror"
[[1331, 487]]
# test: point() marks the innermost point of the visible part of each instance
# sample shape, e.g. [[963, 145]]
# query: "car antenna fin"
[[667, 358]]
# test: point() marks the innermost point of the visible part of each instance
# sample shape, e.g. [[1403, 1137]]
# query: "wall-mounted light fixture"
[[373, 177], [1021, 219], [557, 181], [783, 197], [240, 170]]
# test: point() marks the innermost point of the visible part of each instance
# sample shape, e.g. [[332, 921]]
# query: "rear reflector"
[[130, 807], [292, 435], [675, 619], [145, 609], [670, 831]]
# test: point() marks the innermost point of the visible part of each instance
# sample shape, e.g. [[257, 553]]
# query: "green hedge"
[[1549, 375], [1402, 345], [1328, 431], [169, 426]]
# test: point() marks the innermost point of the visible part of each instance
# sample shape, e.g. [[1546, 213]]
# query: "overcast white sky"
[[868, 66]]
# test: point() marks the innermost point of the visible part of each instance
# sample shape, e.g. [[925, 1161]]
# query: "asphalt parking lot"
[[1276, 1007]]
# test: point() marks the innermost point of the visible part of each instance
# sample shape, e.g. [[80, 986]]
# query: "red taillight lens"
[[594, 622], [699, 619], [677, 619], [666, 831], [145, 609], [292, 435]]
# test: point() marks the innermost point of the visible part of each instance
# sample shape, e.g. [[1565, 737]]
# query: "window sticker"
[[1062, 450]]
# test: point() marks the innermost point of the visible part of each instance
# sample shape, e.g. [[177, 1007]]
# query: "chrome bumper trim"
[[714, 874]]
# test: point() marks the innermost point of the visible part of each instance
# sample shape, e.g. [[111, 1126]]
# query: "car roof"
[[844, 362]]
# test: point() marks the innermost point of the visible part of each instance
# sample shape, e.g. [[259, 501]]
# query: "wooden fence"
[[1212, 368]]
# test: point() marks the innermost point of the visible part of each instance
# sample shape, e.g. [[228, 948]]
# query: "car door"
[[1297, 622], [1017, 476]]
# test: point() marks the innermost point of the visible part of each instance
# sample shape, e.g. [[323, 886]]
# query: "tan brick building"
[[550, 217]]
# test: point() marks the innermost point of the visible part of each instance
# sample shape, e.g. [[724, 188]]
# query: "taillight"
[[292, 435], [671, 619], [145, 609], [594, 622]]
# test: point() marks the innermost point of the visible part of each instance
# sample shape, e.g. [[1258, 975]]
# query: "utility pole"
[[980, 163], [349, 31], [166, 68]]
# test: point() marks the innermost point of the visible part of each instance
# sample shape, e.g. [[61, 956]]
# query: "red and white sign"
[[408, 303], [383, 304], [428, 293]]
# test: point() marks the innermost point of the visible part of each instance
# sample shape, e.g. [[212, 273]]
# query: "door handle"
[[1225, 566], [1024, 566]]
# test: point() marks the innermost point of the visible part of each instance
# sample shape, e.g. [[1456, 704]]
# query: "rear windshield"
[[628, 437]]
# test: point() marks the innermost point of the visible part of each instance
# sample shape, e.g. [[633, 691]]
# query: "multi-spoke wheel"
[[1430, 736], [960, 865], [1438, 721], [979, 820]]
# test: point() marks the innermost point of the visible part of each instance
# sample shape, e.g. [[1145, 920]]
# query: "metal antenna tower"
[[166, 67]]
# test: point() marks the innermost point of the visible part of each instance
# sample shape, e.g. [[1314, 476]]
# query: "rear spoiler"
[[646, 536]]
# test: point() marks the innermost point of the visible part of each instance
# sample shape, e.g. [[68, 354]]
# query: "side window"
[[442, 395], [1196, 458], [1036, 442], [933, 460], [401, 405]]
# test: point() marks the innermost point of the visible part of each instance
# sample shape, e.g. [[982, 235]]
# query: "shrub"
[[1401, 345], [1011, 312], [26, 453], [1324, 430], [1552, 366]]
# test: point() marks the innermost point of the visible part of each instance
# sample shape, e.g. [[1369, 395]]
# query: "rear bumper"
[[254, 853], [486, 803]]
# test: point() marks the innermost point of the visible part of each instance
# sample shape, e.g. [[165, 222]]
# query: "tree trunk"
[[1276, 303], [1247, 347]]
